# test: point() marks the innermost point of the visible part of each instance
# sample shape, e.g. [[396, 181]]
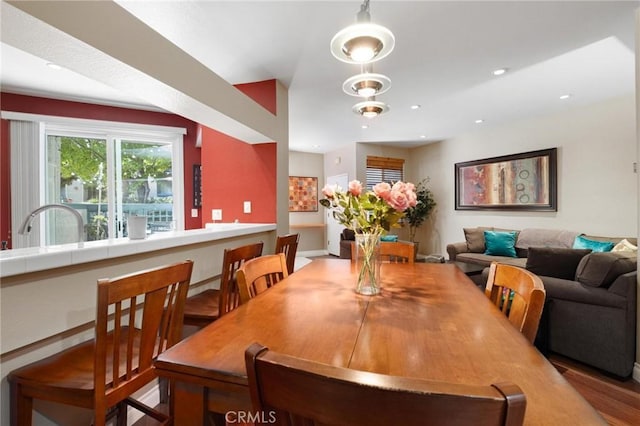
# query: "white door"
[[334, 228]]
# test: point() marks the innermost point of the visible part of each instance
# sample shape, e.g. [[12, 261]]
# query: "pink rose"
[[329, 191], [382, 190], [398, 200], [355, 188]]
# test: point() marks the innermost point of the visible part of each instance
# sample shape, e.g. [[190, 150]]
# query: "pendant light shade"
[[362, 43], [366, 85], [370, 108]]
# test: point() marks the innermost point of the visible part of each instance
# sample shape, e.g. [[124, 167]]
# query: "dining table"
[[429, 321]]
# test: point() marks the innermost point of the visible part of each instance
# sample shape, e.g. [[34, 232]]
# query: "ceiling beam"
[[103, 41]]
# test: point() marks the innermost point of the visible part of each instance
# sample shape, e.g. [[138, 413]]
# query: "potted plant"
[[416, 215]]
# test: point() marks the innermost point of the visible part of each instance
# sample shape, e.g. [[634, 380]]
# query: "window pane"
[[147, 183], [76, 177]]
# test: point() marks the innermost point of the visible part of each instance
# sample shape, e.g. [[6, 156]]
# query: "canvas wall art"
[[525, 181], [303, 194]]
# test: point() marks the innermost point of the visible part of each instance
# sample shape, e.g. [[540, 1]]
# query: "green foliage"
[[81, 158], [415, 216]]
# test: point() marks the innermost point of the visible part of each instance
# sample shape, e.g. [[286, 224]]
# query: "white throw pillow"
[[625, 246]]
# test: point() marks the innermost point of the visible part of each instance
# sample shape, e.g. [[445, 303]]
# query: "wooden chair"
[[138, 316], [392, 252], [257, 275], [297, 391], [288, 244], [519, 294], [397, 252], [207, 306]]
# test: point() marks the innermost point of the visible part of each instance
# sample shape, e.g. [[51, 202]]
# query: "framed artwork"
[[526, 181], [303, 194]]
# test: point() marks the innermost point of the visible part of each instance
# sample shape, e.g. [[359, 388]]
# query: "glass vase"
[[367, 263]]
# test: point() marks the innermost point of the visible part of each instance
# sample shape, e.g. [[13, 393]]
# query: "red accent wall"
[[46, 106], [245, 173], [263, 92]]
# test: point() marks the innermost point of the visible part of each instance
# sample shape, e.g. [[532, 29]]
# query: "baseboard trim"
[[312, 253]]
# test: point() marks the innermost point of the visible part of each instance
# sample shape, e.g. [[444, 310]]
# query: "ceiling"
[[443, 61]]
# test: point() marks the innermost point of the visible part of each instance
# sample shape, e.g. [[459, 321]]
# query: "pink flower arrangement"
[[373, 211]]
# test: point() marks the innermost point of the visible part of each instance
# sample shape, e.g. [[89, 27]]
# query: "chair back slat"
[[140, 332], [304, 392], [288, 244], [257, 275], [233, 259], [519, 294]]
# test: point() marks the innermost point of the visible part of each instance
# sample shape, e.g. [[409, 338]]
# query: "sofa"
[[347, 236], [591, 295]]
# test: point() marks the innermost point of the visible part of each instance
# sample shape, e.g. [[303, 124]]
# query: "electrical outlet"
[[216, 214], [194, 212], [247, 206]]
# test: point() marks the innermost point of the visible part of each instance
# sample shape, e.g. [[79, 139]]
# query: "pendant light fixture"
[[366, 84], [362, 42], [370, 108]]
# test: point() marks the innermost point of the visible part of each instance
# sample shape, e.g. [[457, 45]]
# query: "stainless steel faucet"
[[26, 224]]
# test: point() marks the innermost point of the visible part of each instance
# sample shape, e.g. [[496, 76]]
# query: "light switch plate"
[[194, 212], [216, 214], [247, 206]]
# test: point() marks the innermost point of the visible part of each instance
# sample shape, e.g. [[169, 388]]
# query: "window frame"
[[109, 130]]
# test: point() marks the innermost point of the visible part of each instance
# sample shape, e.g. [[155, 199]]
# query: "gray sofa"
[[591, 298]]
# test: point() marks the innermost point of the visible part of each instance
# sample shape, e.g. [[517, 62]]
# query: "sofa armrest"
[[456, 248], [625, 285]]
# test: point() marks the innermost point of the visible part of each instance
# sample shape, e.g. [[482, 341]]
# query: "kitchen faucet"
[[25, 228]]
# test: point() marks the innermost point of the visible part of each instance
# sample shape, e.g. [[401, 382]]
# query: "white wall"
[[310, 225], [597, 188]]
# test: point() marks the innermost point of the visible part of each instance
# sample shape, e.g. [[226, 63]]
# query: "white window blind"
[[384, 169]]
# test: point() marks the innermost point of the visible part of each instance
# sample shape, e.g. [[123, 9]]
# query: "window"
[[107, 172], [382, 169]]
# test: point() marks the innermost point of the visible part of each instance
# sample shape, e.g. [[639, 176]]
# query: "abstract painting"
[[303, 194], [525, 181]]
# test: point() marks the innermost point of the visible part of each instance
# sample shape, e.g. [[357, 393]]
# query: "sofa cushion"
[[555, 261], [348, 234], [475, 239], [484, 259], [582, 242], [601, 269], [500, 243], [625, 246], [531, 237]]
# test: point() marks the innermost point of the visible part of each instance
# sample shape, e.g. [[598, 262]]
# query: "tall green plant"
[[415, 216]]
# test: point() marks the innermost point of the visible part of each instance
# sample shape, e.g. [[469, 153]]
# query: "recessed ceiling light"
[[423, 136], [54, 66], [416, 106], [364, 126], [563, 97], [316, 146], [500, 71], [479, 121]]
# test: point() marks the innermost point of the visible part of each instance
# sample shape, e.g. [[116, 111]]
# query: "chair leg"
[[122, 413], [21, 406], [163, 385]]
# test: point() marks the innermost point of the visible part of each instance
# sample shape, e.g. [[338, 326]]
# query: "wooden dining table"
[[430, 321]]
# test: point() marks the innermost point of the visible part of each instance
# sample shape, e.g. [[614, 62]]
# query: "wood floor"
[[618, 401]]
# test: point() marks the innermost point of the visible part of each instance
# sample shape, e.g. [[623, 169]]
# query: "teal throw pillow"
[[595, 246], [392, 238], [500, 243]]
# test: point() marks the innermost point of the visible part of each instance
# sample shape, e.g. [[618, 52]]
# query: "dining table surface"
[[429, 321]]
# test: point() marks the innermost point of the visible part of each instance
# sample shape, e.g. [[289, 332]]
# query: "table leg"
[[188, 404]]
